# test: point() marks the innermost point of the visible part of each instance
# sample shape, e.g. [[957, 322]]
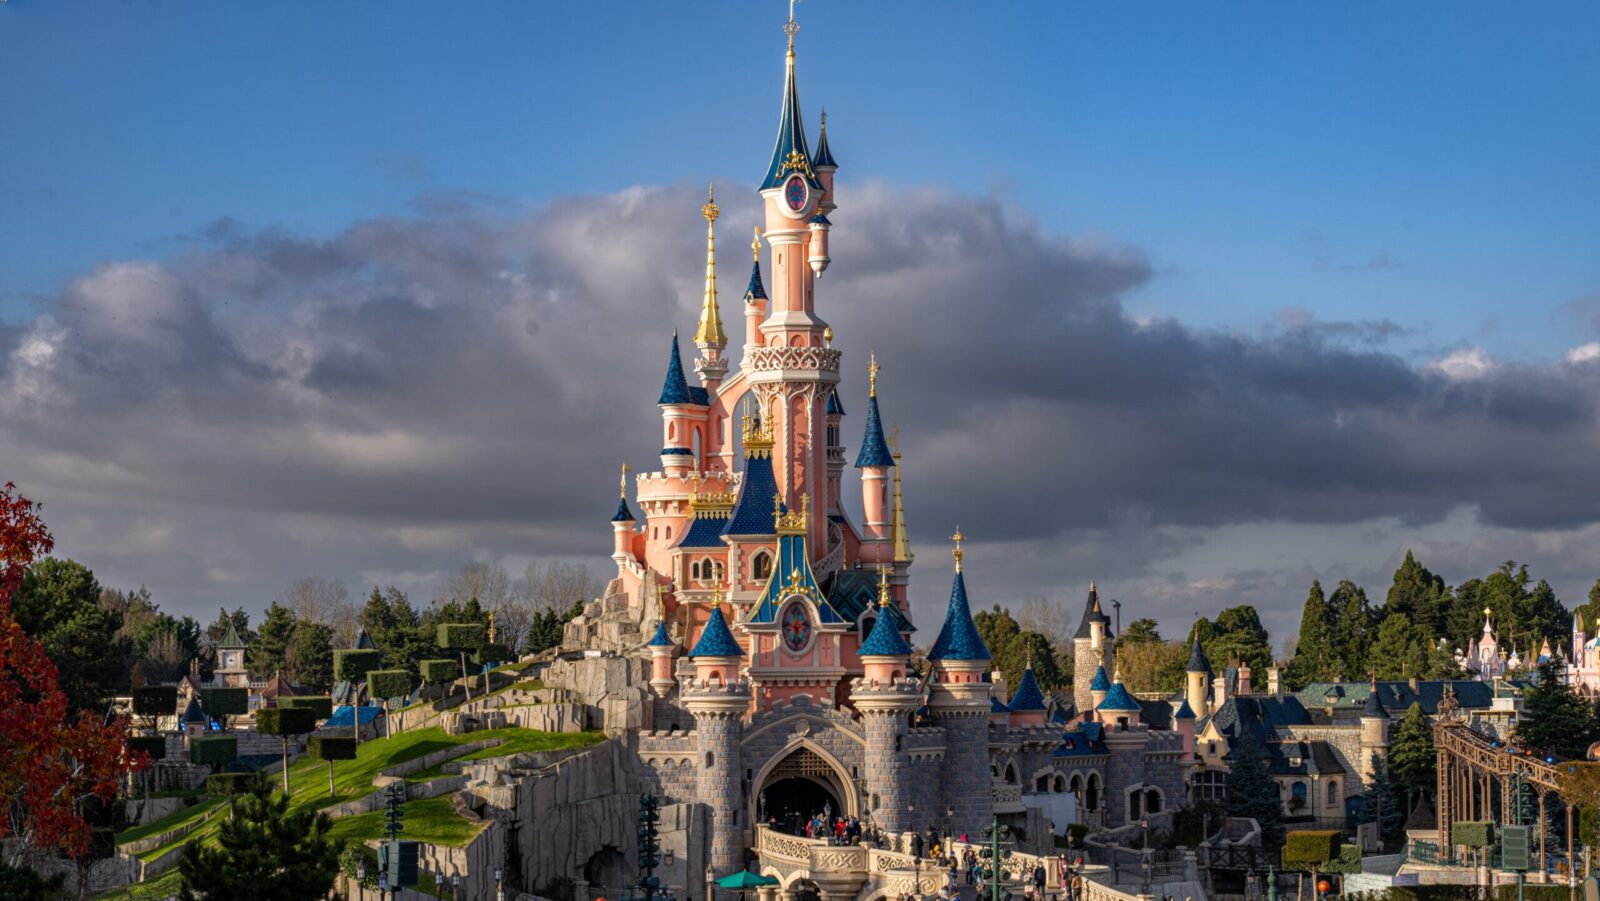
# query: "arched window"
[[694, 570], [717, 570], [1011, 773], [1058, 784], [1042, 784], [1152, 800], [710, 759], [1297, 796], [1091, 797], [761, 567], [1333, 791]]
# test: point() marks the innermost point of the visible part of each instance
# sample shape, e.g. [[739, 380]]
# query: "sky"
[[1200, 302]]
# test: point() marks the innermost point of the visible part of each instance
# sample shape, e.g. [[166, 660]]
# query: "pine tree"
[[1251, 791], [1420, 595], [1380, 804], [1591, 610], [1394, 653], [1353, 637], [1411, 756], [1554, 719], [266, 653], [263, 853], [1314, 657]]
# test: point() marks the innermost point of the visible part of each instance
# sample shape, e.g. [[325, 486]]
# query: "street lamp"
[[455, 886], [361, 879], [499, 885], [711, 876], [949, 825]]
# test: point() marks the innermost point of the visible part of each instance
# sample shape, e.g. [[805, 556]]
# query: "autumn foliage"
[[51, 762]]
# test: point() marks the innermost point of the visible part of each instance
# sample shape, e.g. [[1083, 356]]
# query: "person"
[[1038, 879]]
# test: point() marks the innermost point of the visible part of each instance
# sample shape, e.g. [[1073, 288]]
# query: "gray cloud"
[[465, 378]]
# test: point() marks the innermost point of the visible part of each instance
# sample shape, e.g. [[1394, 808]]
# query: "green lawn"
[[429, 820], [169, 821]]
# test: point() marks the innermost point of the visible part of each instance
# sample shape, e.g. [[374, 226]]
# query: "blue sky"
[[1429, 163]]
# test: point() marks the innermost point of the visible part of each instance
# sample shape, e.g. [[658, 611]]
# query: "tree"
[[1152, 665], [1420, 595], [1554, 719], [548, 627], [1315, 658], [308, 660], [1354, 635], [1140, 631], [267, 652], [284, 722], [385, 684], [52, 758], [1237, 634], [396, 630], [1013, 649], [1379, 804], [331, 748], [1591, 610], [461, 637], [1411, 756], [1251, 792], [59, 604], [352, 666], [263, 852], [222, 702]]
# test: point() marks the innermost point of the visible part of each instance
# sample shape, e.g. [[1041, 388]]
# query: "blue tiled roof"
[[996, 707], [835, 408], [675, 388], [193, 713], [715, 639], [824, 153], [792, 558], [1091, 614], [364, 641], [1027, 697], [704, 532], [1197, 659], [874, 450], [820, 219], [958, 637], [669, 451], [852, 592], [661, 639], [1086, 740], [885, 639], [1374, 707], [1184, 712], [791, 136], [752, 513], [1100, 683], [623, 513], [755, 290], [1119, 699], [342, 716], [699, 395]]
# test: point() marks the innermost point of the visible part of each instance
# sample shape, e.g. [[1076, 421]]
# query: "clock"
[[795, 627], [796, 192]]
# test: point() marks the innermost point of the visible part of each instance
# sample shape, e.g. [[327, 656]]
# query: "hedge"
[[332, 747], [1305, 849], [493, 653], [320, 705], [388, 683], [1506, 892], [1349, 860], [230, 783], [153, 745], [225, 701], [1472, 833], [440, 671], [285, 720], [352, 664], [213, 749], [461, 636], [155, 700]]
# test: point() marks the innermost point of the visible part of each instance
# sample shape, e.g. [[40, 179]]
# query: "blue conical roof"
[[661, 639], [958, 637], [885, 639], [790, 152], [675, 388], [1197, 659], [1101, 682], [623, 514], [716, 640], [1185, 712], [835, 407], [874, 449], [1027, 697], [824, 154], [755, 290], [364, 641], [1374, 707], [1119, 699]]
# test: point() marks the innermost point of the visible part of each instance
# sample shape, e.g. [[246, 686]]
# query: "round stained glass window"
[[795, 625]]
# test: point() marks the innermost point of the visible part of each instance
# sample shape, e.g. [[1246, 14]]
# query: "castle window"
[[1208, 786], [694, 570], [1059, 784], [761, 566], [710, 759], [1011, 773], [1152, 800], [1333, 792], [1042, 784], [897, 744]]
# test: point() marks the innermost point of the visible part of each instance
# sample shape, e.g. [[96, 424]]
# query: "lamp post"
[[711, 883], [499, 885], [949, 825], [455, 887], [361, 879]]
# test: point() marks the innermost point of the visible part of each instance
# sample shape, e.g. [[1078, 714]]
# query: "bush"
[[155, 746], [1348, 861], [1472, 833], [1307, 849], [221, 702], [230, 784], [440, 671], [213, 749], [493, 653], [285, 720], [461, 636], [332, 747], [388, 683], [320, 705], [155, 700], [352, 664]]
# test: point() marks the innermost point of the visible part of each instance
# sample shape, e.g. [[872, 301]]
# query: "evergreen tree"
[[1554, 719], [1380, 804], [1013, 648], [548, 625], [308, 661], [397, 631], [266, 653], [1236, 635], [1394, 653], [1251, 791], [263, 853], [59, 606], [1420, 595], [1591, 610], [1140, 631], [1354, 635], [1411, 756], [1315, 657]]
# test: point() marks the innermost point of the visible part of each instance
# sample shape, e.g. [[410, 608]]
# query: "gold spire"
[[755, 245], [957, 553], [623, 487], [872, 374], [710, 331], [791, 28], [883, 585], [902, 538]]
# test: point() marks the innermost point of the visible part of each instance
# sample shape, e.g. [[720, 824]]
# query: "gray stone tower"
[[960, 704], [718, 697], [1374, 733], [885, 696], [1091, 649]]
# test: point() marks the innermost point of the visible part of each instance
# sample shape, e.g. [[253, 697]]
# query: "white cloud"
[[1584, 353], [1465, 365]]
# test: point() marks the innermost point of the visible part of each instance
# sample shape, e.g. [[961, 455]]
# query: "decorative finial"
[[894, 439], [883, 585], [491, 627], [755, 245], [957, 553], [791, 28], [872, 374], [624, 482], [711, 211], [824, 120], [827, 336], [710, 333], [1091, 586], [1486, 612]]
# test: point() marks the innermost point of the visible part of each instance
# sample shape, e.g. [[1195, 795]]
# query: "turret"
[[897, 516], [1099, 687], [661, 681], [1578, 639], [1196, 674], [683, 412], [709, 336], [1183, 721], [718, 698], [717, 655], [885, 696], [1119, 710], [755, 299], [885, 654], [1027, 702], [622, 525], [834, 411], [1091, 650], [960, 703], [1374, 731], [824, 165], [875, 461]]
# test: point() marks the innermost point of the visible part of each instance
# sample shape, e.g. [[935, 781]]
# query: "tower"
[[1374, 732], [885, 697], [660, 646], [1196, 675], [1091, 649], [709, 336], [960, 704], [622, 526], [718, 697], [1027, 702], [875, 461], [230, 671]]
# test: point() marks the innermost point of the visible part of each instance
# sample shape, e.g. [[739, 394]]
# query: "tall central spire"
[[710, 331], [790, 153]]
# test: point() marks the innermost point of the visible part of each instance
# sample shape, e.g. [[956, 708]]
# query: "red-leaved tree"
[[51, 763]]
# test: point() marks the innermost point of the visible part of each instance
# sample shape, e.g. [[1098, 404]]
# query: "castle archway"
[[799, 783]]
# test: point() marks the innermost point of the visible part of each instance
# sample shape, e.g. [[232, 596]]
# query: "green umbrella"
[[744, 879]]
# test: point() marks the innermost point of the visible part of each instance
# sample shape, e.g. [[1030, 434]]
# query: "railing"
[[830, 563]]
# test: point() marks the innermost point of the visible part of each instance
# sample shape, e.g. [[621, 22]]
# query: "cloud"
[[1583, 353], [463, 380]]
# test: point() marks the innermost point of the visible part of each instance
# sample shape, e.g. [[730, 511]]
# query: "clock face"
[[795, 625], [795, 192]]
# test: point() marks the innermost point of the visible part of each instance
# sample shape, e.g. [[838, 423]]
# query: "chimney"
[[1244, 678], [1275, 681], [1415, 685], [1219, 692]]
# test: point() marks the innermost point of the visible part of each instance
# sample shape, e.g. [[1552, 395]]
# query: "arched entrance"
[[800, 784]]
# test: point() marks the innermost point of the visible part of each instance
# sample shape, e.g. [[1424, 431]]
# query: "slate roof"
[[1119, 699], [660, 639], [824, 154], [996, 707], [230, 638], [752, 512], [193, 713], [1100, 682], [1396, 696], [1093, 613], [364, 641], [958, 636], [1027, 698], [874, 449], [1260, 716], [792, 558], [715, 639], [1373, 708], [1197, 659], [852, 592], [1156, 714], [1315, 759], [1086, 740], [791, 136], [675, 388], [623, 514], [885, 639], [1184, 711], [755, 290], [704, 532], [835, 407]]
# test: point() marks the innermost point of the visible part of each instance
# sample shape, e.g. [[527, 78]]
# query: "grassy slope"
[[429, 820]]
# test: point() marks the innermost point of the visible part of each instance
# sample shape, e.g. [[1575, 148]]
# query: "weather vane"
[[791, 28], [958, 553]]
